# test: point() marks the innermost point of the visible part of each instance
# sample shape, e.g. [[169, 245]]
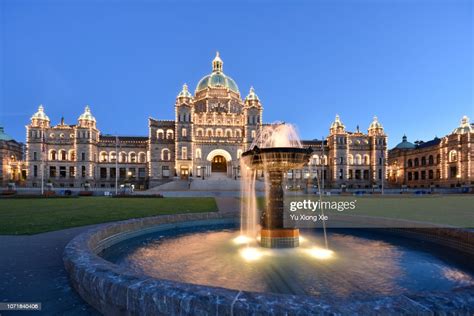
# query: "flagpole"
[[116, 164], [42, 161], [322, 164]]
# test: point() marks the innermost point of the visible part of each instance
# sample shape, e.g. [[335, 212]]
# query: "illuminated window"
[[453, 156]]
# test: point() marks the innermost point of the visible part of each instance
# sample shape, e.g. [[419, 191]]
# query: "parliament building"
[[212, 128]]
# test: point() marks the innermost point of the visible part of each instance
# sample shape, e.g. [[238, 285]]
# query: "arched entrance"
[[219, 164]]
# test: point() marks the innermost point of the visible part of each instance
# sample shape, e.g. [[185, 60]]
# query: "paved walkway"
[[32, 270]]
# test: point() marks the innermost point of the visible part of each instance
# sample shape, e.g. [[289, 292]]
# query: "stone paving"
[[32, 270]]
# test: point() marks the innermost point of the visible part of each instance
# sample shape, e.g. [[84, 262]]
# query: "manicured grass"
[[452, 210], [32, 216]]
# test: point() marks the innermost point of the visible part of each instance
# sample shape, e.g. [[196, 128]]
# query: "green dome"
[[217, 78], [405, 144], [3, 136]]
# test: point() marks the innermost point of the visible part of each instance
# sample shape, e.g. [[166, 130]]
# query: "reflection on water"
[[357, 268]]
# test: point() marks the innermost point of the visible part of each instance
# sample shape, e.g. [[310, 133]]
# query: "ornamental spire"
[[217, 63]]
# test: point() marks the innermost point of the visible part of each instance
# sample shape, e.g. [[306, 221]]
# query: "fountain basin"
[[118, 290]]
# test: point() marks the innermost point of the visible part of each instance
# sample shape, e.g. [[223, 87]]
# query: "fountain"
[[281, 151], [275, 162], [188, 264]]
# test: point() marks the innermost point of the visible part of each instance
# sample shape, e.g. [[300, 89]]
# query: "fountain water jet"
[[275, 150]]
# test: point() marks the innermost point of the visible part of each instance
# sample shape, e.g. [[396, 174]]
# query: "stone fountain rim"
[[113, 289]]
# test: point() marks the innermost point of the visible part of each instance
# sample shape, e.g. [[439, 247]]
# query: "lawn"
[[32, 216], [452, 210]]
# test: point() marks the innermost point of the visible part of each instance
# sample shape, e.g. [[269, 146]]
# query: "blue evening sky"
[[408, 62]]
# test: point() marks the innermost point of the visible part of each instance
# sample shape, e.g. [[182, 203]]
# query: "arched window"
[[238, 133], [324, 160], [423, 161], [453, 156], [253, 134], [184, 132], [410, 163], [198, 153], [72, 155], [142, 157], [123, 157], [199, 132], [53, 155], [133, 157], [350, 159], [62, 154], [438, 158], [366, 159], [209, 132], [417, 162], [165, 154], [358, 159], [239, 153], [160, 134], [112, 156], [169, 134], [430, 160], [103, 156], [218, 132], [228, 133]]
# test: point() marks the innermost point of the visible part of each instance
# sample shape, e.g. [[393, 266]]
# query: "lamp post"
[[116, 165], [383, 175]]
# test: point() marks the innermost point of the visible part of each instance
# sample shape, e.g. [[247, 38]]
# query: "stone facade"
[[211, 129], [352, 160], [441, 162], [79, 156], [11, 157]]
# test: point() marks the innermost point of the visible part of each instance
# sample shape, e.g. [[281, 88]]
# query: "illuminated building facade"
[[211, 129], [440, 162], [11, 158]]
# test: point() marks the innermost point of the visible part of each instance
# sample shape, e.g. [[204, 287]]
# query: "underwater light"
[[320, 253], [242, 239], [251, 254]]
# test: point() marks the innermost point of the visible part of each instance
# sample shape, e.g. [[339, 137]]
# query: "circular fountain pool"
[[361, 265]]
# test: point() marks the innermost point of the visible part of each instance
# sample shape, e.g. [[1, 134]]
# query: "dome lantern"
[[217, 63]]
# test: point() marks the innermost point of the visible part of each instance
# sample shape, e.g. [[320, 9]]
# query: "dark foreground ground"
[[32, 270]]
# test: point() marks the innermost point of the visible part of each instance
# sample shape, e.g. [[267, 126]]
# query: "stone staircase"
[[217, 182]]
